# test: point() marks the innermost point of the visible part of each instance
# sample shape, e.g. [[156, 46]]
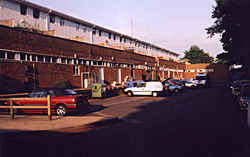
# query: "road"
[[199, 122]]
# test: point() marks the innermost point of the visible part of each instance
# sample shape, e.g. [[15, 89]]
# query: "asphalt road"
[[200, 122]]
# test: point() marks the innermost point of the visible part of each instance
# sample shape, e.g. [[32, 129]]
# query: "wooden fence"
[[12, 106]]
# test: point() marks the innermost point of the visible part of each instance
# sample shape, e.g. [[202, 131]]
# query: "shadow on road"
[[203, 122]]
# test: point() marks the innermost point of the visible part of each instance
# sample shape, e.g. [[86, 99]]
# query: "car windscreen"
[[201, 78]]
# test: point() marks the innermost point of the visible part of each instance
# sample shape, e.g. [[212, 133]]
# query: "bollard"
[[49, 107]]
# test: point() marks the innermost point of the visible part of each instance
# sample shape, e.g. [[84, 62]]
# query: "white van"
[[201, 79], [145, 88]]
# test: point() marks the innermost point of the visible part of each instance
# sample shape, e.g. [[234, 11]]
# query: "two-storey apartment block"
[[20, 13]]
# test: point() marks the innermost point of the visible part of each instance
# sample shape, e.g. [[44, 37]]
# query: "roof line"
[[77, 20]]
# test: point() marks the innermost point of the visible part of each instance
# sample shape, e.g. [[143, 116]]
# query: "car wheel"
[[61, 110], [130, 93], [155, 94]]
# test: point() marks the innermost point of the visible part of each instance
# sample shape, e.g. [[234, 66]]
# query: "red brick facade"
[[28, 72]]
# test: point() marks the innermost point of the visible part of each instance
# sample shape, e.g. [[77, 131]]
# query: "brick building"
[[30, 60]]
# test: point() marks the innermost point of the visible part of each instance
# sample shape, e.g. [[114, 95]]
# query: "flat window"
[[36, 13], [114, 37], [120, 39], [23, 9], [77, 26], [22, 56], [47, 59], [109, 35], [28, 57], [124, 40], [76, 70], [69, 61], [84, 28], [100, 33], [63, 60], [94, 31], [52, 18], [54, 59], [61, 21], [100, 63], [40, 58], [34, 58], [2, 54]]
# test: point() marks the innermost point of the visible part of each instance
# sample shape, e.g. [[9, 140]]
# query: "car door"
[[148, 89], [36, 101], [139, 89]]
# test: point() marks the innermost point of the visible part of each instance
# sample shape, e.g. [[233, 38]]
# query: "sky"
[[172, 24]]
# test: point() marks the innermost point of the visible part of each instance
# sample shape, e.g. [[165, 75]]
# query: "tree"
[[231, 22], [196, 55], [223, 58]]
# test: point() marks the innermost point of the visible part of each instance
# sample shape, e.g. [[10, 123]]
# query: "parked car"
[[236, 86], [63, 101], [178, 82], [172, 87], [130, 84], [202, 79], [190, 83], [244, 97], [153, 88]]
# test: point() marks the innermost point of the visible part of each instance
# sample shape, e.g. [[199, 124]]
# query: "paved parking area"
[[199, 122]]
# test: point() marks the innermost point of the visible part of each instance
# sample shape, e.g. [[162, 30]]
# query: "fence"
[[12, 106]]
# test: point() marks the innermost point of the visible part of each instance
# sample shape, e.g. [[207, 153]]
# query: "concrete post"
[[119, 76], [101, 75]]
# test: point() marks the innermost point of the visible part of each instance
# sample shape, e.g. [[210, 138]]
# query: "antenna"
[[132, 28]]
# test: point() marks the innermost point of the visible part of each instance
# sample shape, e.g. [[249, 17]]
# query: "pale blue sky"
[[172, 24]]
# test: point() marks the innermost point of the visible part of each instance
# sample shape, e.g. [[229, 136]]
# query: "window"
[[69, 61], [54, 59], [23, 9], [63, 60], [40, 58], [109, 35], [2, 54], [100, 63], [84, 28], [22, 56], [124, 40], [33, 58], [76, 70], [94, 31], [100, 33], [114, 37], [28, 57], [77, 26], [47, 59], [120, 39], [36, 13], [52, 18], [61, 21]]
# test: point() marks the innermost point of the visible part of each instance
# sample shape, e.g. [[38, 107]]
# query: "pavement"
[[41, 122]]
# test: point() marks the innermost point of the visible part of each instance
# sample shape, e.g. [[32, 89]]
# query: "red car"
[[63, 101]]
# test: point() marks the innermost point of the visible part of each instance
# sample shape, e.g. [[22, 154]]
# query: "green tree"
[[196, 55], [223, 58], [232, 23]]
